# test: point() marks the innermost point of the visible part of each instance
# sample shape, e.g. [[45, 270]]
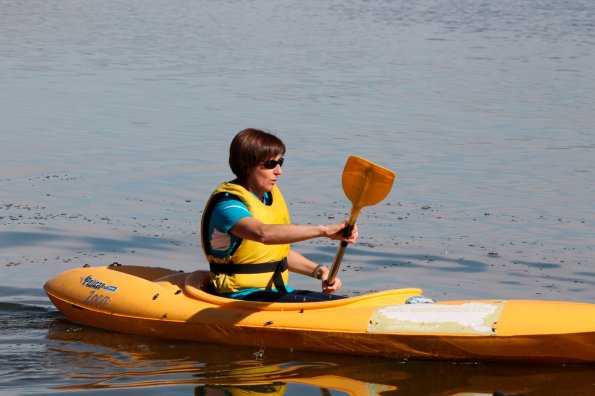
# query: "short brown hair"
[[251, 147]]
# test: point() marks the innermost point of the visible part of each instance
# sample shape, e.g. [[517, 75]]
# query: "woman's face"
[[263, 177]]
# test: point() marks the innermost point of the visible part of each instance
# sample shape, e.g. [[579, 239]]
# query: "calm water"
[[115, 119]]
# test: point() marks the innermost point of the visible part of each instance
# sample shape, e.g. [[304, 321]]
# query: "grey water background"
[[115, 120]]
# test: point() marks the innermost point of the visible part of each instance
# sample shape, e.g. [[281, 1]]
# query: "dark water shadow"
[[382, 259], [539, 265], [11, 291], [565, 279], [30, 239]]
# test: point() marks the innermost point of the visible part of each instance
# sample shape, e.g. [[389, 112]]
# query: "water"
[[115, 119]]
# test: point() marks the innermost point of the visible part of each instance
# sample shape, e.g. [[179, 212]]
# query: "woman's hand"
[[335, 231], [326, 288]]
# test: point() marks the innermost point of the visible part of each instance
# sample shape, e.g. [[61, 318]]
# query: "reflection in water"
[[95, 360]]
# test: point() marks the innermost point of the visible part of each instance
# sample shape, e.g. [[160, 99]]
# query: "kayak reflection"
[[95, 359], [253, 381], [246, 390]]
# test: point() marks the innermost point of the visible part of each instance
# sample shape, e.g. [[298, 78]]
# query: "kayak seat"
[[201, 280], [174, 281]]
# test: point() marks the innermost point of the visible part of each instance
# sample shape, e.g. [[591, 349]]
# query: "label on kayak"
[[469, 318]]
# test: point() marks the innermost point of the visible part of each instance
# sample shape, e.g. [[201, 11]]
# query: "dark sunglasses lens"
[[272, 164]]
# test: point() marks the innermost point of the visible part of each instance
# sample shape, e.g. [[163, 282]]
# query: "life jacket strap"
[[276, 267]]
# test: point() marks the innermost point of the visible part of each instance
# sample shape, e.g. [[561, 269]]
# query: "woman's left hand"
[[351, 238]]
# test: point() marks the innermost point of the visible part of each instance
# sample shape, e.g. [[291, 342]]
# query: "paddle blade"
[[366, 183]]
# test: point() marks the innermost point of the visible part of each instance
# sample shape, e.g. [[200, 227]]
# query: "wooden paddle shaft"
[[340, 252], [335, 267]]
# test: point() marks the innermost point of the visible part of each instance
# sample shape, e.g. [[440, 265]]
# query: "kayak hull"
[[163, 303]]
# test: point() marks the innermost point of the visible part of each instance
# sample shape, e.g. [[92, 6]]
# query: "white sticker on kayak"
[[468, 318]]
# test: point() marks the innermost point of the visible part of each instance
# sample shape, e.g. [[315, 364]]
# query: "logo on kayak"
[[93, 283]]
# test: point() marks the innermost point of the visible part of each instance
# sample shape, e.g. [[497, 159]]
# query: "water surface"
[[115, 119]]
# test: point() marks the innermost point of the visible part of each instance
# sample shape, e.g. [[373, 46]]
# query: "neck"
[[252, 189]]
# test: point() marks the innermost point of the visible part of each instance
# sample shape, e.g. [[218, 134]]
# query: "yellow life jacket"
[[274, 389], [252, 264]]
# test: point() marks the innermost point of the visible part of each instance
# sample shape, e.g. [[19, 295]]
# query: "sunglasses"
[[272, 164]]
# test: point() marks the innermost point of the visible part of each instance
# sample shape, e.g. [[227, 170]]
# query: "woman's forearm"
[[275, 234], [300, 264]]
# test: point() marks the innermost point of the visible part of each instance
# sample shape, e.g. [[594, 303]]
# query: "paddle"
[[365, 184]]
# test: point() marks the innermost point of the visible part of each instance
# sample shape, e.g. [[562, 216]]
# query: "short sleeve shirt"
[[226, 213]]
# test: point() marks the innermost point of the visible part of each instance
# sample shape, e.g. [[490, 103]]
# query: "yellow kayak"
[[168, 304]]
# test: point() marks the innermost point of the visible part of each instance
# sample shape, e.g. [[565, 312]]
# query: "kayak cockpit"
[[196, 285]]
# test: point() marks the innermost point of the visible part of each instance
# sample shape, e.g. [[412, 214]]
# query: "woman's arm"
[[275, 234], [255, 230], [303, 265]]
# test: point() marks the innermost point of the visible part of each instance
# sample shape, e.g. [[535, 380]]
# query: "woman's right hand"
[[326, 287]]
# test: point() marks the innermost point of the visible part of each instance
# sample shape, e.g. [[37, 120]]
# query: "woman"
[[246, 230]]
